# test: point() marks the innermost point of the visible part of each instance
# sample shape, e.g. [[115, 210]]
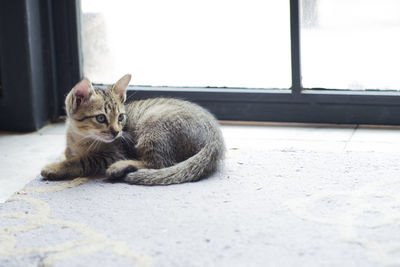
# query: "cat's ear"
[[119, 87], [81, 92]]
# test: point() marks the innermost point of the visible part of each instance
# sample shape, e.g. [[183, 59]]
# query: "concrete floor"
[[286, 196], [23, 155]]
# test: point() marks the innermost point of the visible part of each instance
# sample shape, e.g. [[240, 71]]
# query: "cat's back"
[[166, 109], [183, 121]]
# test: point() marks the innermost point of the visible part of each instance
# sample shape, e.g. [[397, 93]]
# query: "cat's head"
[[96, 113]]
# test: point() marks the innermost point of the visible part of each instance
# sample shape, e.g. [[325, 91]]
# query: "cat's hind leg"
[[121, 168], [155, 152]]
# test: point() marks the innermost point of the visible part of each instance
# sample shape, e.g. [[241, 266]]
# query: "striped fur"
[[160, 141]]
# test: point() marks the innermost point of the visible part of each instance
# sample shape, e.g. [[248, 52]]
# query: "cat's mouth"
[[108, 138]]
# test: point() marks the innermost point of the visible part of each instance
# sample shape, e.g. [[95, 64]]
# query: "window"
[[192, 43], [350, 44]]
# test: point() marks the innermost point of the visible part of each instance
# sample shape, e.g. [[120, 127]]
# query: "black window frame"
[[60, 57]]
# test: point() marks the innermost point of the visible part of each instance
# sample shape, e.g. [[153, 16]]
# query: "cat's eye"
[[121, 117], [101, 118]]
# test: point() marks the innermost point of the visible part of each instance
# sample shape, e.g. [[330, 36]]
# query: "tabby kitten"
[[153, 142]]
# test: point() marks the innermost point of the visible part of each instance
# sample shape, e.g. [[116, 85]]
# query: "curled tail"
[[192, 169]]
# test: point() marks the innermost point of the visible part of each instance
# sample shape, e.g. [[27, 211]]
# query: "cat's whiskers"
[[96, 141], [84, 139], [91, 144], [97, 144], [128, 138], [131, 96]]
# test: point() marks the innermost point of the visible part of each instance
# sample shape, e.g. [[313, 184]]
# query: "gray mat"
[[262, 208]]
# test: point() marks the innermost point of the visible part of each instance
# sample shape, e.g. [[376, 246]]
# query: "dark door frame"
[[39, 60]]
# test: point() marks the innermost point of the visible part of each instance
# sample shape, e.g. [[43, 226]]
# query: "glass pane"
[[351, 44], [233, 43]]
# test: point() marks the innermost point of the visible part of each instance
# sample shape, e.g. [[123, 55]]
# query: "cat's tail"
[[192, 169]]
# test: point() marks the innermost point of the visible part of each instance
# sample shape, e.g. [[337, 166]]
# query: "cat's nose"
[[114, 132]]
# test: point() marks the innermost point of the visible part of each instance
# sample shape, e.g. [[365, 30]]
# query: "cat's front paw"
[[53, 171], [119, 170]]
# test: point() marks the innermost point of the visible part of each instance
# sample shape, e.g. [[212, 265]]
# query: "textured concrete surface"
[[285, 196], [23, 155]]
